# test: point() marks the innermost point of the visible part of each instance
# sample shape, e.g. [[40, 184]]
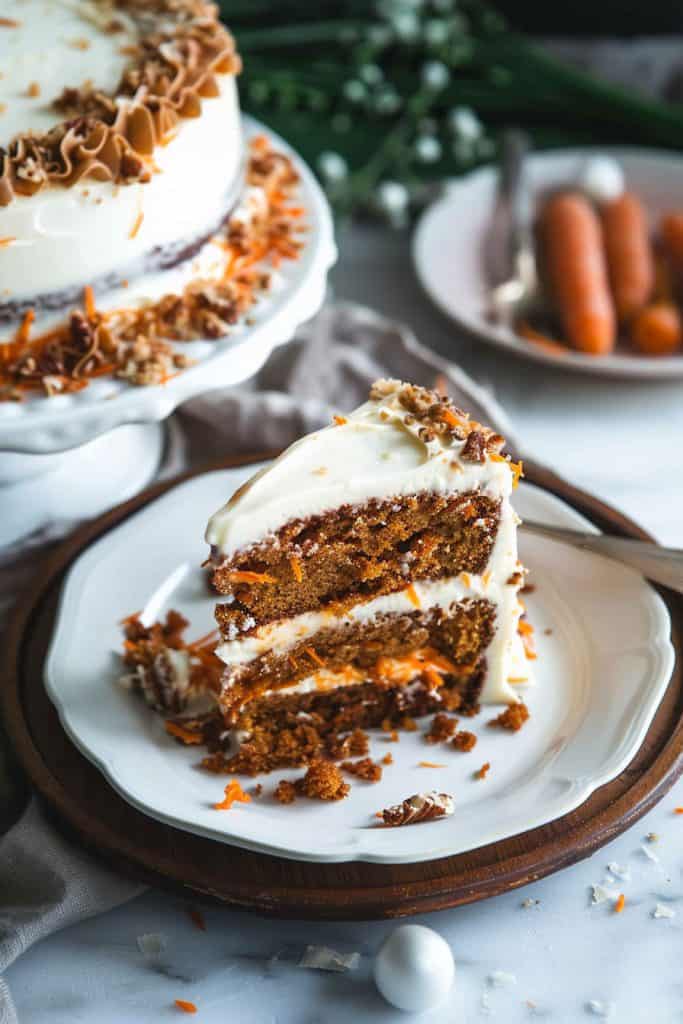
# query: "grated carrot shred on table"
[[429, 764], [233, 794], [678, 810], [620, 904], [197, 918], [185, 1005]]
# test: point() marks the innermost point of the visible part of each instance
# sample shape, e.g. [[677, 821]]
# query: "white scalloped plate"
[[449, 239], [605, 659], [43, 425]]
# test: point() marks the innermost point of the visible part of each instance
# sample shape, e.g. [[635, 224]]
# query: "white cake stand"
[[73, 456]]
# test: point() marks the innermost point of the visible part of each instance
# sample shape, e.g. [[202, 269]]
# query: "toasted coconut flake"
[[322, 958], [418, 808], [151, 944]]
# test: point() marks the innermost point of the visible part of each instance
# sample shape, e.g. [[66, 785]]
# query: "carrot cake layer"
[[384, 536], [284, 730], [357, 552], [381, 646]]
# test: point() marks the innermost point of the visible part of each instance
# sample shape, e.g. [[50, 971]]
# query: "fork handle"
[[663, 565]]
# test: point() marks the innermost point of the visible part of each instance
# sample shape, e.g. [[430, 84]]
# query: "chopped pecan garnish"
[[417, 808], [474, 449]]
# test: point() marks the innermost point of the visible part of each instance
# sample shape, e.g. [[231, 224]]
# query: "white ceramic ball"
[[414, 968], [602, 179]]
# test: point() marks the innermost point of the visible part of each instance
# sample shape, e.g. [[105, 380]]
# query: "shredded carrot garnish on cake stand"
[[340, 420], [233, 794], [134, 342], [620, 904]]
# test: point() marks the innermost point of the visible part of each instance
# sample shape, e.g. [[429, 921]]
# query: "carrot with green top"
[[577, 272]]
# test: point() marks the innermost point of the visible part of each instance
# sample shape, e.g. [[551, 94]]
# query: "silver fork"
[[663, 565], [510, 252]]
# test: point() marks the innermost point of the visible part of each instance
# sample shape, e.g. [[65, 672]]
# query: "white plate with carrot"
[[611, 268]]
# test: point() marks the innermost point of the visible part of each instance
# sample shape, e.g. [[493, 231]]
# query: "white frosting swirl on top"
[[371, 453], [52, 45], [64, 238]]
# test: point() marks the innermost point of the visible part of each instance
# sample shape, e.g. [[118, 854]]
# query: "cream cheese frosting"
[[372, 453], [64, 238], [54, 44], [381, 452]]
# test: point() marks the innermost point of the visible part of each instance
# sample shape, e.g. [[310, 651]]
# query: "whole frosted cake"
[[121, 163]]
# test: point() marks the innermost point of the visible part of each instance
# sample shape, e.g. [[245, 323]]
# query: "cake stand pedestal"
[[66, 487], [73, 456]]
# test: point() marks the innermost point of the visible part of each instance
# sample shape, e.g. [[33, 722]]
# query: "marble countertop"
[[545, 952]]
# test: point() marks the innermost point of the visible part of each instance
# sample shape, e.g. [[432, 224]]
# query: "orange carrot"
[[630, 262], [656, 330], [671, 231], [577, 272]]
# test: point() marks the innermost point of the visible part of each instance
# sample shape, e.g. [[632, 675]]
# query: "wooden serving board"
[[86, 807]]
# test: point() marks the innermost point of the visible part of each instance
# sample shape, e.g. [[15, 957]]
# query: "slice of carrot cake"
[[371, 570]]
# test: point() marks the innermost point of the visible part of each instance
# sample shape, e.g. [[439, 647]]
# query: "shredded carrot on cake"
[[245, 576], [314, 656], [233, 794], [297, 571], [526, 632], [413, 597]]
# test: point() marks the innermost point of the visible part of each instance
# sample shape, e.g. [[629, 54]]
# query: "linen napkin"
[[46, 882]]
